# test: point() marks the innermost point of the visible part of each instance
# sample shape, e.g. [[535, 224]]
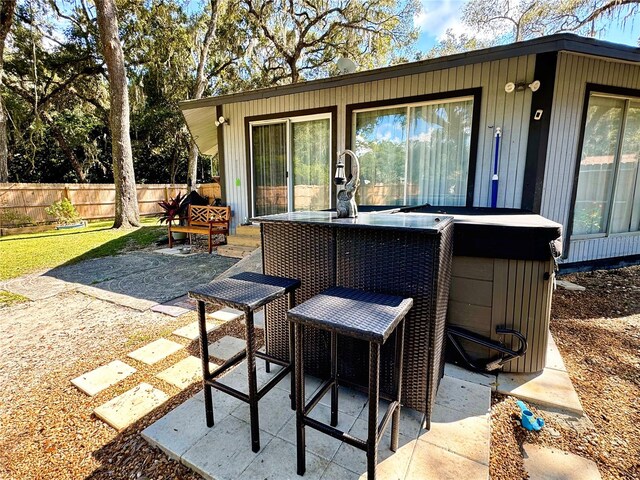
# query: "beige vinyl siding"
[[572, 75], [493, 292], [509, 111]]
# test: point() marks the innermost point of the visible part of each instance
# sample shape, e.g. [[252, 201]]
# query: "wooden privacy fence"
[[92, 201]]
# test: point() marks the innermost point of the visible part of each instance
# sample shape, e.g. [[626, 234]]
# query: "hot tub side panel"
[[490, 292]]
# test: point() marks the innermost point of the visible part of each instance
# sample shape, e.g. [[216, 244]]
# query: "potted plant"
[[65, 214], [171, 210]]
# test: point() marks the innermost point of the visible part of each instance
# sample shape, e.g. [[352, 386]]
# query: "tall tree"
[[6, 19], [126, 205], [294, 41], [200, 84]]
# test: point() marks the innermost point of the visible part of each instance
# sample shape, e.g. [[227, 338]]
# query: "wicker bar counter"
[[396, 254]]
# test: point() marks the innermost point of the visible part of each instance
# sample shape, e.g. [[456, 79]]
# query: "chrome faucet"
[[346, 206]]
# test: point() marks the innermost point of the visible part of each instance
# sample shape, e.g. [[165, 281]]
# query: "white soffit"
[[201, 124]]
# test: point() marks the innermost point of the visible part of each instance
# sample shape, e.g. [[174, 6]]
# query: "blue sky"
[[439, 15]]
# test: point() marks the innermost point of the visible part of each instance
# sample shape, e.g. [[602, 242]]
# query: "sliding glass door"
[[291, 164]]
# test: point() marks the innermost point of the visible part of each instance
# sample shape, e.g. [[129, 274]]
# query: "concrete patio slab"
[[184, 373], [434, 463], [274, 411], [224, 451], [276, 461], [460, 373], [551, 388], [192, 331], [544, 463], [390, 465], [155, 351], [457, 432], [131, 406], [226, 347], [177, 431], [184, 301], [317, 442], [226, 314], [554, 359], [227, 459], [258, 319], [103, 377], [466, 397]]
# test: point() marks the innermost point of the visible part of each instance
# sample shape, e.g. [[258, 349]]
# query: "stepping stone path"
[[226, 314], [103, 377], [184, 373], [226, 347], [134, 404], [155, 351], [131, 406], [192, 331]]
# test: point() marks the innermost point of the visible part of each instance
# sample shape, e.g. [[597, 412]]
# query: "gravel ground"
[[598, 334]]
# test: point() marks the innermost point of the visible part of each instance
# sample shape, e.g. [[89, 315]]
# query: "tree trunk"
[[6, 19], [201, 83], [127, 213]]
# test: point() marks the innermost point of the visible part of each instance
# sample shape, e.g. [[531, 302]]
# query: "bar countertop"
[[425, 223]]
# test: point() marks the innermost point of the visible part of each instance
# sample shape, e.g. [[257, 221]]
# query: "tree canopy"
[[56, 90]]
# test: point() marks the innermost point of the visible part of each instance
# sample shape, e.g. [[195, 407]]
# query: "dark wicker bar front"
[[408, 256]]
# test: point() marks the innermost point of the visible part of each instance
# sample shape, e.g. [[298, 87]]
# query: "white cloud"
[[438, 16]]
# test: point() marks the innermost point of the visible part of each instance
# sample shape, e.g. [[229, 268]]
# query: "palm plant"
[[171, 208]]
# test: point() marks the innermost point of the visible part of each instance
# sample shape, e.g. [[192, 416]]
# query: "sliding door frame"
[[330, 112]]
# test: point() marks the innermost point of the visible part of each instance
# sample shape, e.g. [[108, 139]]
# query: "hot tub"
[[502, 276]]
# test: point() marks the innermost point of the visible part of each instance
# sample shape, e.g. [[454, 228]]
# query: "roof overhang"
[[201, 124], [553, 43]]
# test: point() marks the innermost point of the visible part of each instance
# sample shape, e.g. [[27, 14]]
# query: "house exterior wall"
[[511, 111], [572, 75]]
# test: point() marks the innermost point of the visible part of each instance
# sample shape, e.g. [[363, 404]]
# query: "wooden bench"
[[204, 220]]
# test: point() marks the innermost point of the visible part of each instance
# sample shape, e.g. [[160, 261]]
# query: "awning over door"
[[201, 124]]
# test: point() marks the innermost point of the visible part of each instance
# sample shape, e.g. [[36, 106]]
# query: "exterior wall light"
[[222, 121], [520, 86]]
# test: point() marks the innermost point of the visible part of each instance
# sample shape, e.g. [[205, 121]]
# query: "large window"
[[416, 153], [608, 191]]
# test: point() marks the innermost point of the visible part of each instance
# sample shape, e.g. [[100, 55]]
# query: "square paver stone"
[[544, 463], [458, 432], [131, 406], [225, 451], [226, 347], [179, 429], [171, 310], [103, 377], [434, 463], [226, 314], [184, 373], [551, 388], [155, 351], [467, 397], [192, 331]]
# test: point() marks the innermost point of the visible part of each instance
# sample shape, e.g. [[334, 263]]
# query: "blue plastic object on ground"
[[528, 420]]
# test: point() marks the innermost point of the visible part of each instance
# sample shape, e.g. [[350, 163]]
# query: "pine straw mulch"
[[50, 432], [598, 335]]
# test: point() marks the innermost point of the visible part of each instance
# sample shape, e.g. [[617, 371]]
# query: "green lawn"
[[21, 254]]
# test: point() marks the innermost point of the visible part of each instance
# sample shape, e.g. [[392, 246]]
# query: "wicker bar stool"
[[247, 292], [363, 315]]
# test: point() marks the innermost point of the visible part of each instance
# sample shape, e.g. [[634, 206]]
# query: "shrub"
[[64, 212], [11, 218]]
